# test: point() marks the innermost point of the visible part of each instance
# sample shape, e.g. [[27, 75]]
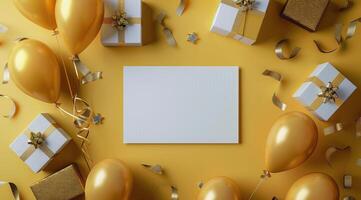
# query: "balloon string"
[[256, 188]]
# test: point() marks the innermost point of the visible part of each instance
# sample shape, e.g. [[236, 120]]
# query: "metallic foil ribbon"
[[280, 52], [320, 99], [157, 169], [12, 110], [275, 99], [333, 129], [14, 189], [181, 7], [166, 31], [332, 150], [120, 21], [351, 31], [347, 181], [6, 74], [328, 93], [36, 139], [3, 28], [86, 75]]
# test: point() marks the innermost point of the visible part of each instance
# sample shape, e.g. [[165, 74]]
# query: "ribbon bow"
[[120, 21], [328, 93], [245, 5], [36, 139]]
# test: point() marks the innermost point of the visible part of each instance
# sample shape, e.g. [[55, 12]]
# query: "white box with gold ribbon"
[[42, 139], [242, 23], [122, 25], [325, 90]]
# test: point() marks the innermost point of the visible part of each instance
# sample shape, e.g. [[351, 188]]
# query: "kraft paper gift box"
[[42, 128], [305, 13], [240, 25], [65, 184], [310, 92], [130, 35]]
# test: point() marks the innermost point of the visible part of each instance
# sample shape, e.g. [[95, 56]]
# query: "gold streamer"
[[157, 169], [166, 31], [14, 189], [332, 150], [275, 99], [87, 76], [340, 40], [181, 7], [6, 74], [12, 110], [280, 52]]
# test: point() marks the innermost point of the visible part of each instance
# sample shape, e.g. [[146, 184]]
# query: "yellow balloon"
[[41, 12], [220, 188], [110, 179], [291, 140], [314, 186], [79, 22], [35, 70]]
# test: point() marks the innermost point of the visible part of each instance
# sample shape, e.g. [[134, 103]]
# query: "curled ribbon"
[[181, 7], [12, 110], [6, 74], [14, 189], [275, 99], [166, 31], [332, 150], [157, 169], [351, 31], [87, 76], [280, 52]]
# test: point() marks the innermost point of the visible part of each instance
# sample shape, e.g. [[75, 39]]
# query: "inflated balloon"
[[79, 22], [41, 12], [291, 140], [220, 188], [35, 70], [110, 179], [314, 186]]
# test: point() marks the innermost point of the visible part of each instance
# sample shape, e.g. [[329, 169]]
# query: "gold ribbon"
[[157, 169], [166, 31], [320, 100], [332, 150], [121, 14], [87, 76], [340, 40], [42, 146], [275, 99], [181, 7], [333, 129], [14, 189], [12, 110], [280, 52], [6, 74]]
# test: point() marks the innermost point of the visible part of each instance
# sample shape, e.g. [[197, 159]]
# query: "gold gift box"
[[305, 13], [65, 184]]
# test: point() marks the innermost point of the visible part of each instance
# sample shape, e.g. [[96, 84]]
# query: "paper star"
[[192, 37], [98, 119]]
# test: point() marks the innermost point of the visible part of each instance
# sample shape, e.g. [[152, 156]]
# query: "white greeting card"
[[180, 104]]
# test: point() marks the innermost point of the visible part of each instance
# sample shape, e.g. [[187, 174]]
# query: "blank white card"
[[176, 104]]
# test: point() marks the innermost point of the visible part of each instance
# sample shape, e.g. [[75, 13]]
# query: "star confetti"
[[192, 37], [98, 119]]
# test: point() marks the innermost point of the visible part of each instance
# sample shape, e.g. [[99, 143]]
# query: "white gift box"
[[55, 140], [132, 33], [307, 94], [243, 26]]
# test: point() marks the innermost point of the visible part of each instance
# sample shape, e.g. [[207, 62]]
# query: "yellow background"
[[186, 165]]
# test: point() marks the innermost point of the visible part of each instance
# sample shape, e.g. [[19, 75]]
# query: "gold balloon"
[[35, 70], [220, 188], [110, 179], [314, 186], [291, 140], [79, 22], [41, 12]]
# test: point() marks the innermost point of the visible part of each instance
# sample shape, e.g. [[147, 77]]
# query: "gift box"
[[63, 185], [325, 90], [240, 21], [42, 139], [305, 13], [122, 25]]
